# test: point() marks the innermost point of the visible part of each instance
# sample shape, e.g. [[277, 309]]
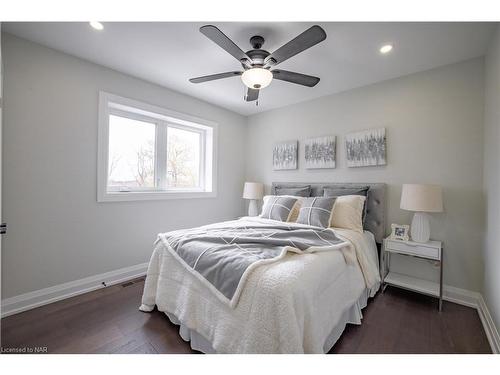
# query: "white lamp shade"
[[422, 198], [257, 78], [253, 190]]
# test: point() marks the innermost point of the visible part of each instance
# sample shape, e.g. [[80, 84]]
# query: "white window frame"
[[110, 104]]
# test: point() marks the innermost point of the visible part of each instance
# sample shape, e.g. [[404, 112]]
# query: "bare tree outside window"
[[131, 156], [183, 158], [113, 162], [144, 168]]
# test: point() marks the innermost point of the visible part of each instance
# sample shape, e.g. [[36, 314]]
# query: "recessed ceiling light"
[[96, 25], [386, 48]]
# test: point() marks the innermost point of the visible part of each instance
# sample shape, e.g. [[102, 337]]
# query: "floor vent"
[[127, 284]]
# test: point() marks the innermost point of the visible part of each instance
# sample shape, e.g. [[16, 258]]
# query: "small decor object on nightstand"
[[400, 232], [253, 191], [421, 199]]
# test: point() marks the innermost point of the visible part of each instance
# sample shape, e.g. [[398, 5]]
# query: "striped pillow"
[[316, 211], [277, 207]]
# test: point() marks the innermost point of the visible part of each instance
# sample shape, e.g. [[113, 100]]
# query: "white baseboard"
[[489, 326], [461, 296], [27, 301], [475, 300]]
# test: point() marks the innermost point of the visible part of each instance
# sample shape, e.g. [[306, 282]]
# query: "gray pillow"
[[316, 211], [299, 191], [338, 192], [277, 208]]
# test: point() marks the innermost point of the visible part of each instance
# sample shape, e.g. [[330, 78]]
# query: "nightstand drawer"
[[413, 249]]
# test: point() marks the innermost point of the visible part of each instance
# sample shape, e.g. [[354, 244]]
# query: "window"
[[131, 157], [146, 152]]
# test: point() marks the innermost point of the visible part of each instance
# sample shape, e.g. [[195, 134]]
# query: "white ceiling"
[[170, 53]]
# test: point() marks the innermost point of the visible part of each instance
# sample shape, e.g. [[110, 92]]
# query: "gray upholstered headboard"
[[375, 202]]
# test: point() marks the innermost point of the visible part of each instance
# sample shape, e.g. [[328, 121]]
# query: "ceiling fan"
[[257, 63]]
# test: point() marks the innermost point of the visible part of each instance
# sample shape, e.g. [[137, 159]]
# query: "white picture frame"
[[400, 232]]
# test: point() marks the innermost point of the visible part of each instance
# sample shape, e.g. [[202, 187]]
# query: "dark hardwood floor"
[[403, 322], [108, 321]]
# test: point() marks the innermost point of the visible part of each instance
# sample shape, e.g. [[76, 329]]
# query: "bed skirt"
[[352, 315]]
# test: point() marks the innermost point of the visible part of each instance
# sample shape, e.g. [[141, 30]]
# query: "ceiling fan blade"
[[298, 78], [214, 77], [307, 39], [252, 95], [219, 38]]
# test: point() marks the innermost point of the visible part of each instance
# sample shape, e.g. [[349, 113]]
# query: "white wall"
[[492, 179], [434, 123], [57, 230]]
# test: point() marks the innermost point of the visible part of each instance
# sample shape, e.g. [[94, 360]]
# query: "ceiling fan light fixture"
[[257, 78]]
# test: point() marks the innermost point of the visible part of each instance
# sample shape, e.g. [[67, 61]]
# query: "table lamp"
[[421, 199], [253, 191]]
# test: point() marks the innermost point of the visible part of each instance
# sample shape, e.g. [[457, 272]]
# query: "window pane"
[[131, 153], [183, 158]]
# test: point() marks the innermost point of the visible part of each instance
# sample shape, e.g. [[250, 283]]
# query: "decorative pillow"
[[298, 191], [278, 208], [294, 214], [316, 211], [339, 192], [348, 212]]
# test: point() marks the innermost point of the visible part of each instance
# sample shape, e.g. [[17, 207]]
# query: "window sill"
[[152, 195]]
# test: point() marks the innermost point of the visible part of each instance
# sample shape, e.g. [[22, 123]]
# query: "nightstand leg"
[[441, 284], [386, 262]]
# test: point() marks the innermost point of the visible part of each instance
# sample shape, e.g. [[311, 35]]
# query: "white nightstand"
[[432, 250]]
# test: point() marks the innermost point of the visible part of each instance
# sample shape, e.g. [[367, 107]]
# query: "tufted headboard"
[[375, 202]]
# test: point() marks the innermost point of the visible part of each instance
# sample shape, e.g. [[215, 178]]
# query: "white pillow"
[[347, 212]]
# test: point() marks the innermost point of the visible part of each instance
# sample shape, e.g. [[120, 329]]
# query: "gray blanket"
[[221, 255]]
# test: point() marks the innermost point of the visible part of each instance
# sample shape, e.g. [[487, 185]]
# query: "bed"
[[297, 303]]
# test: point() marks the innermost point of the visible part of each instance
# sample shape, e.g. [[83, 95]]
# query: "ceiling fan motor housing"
[[258, 57]]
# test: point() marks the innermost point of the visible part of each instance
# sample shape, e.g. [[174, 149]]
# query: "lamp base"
[[253, 209], [420, 228]]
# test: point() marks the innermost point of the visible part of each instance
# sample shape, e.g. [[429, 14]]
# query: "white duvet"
[[286, 307]]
